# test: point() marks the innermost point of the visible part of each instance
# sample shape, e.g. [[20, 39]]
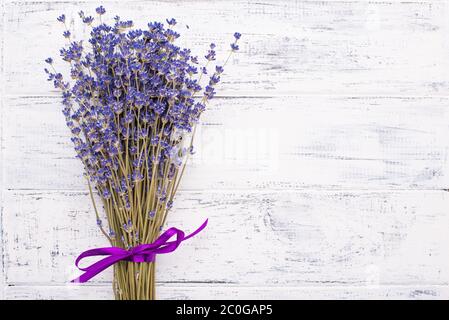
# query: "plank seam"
[[298, 95]]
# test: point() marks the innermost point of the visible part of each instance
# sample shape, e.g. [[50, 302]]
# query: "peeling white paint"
[[322, 166]]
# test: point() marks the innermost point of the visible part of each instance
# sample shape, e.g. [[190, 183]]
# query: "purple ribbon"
[[140, 253]]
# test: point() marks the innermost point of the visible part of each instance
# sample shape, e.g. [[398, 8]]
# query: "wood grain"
[[277, 238], [288, 47], [322, 166]]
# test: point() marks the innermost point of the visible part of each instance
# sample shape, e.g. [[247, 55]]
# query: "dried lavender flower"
[[130, 99], [100, 10]]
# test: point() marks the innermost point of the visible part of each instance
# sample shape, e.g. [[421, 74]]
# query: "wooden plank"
[[277, 238], [165, 292], [288, 47], [275, 143]]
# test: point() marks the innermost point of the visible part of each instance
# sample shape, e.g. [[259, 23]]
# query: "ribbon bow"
[[140, 253]]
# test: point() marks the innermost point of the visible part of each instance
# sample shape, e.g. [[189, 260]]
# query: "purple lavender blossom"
[[111, 234], [151, 214], [100, 10], [210, 56], [234, 47], [171, 22], [132, 98]]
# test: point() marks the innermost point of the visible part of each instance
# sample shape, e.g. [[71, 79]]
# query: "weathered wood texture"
[[289, 47], [2, 277], [235, 292], [322, 166], [277, 238]]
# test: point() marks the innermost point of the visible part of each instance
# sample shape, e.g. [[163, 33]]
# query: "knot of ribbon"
[[140, 253]]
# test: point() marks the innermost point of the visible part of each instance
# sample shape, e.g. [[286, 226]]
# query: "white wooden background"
[[322, 165]]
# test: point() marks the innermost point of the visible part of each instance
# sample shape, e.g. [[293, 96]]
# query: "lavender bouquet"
[[132, 106]]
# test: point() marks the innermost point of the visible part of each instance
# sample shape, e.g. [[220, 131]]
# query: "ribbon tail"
[[170, 246], [194, 233], [98, 267]]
